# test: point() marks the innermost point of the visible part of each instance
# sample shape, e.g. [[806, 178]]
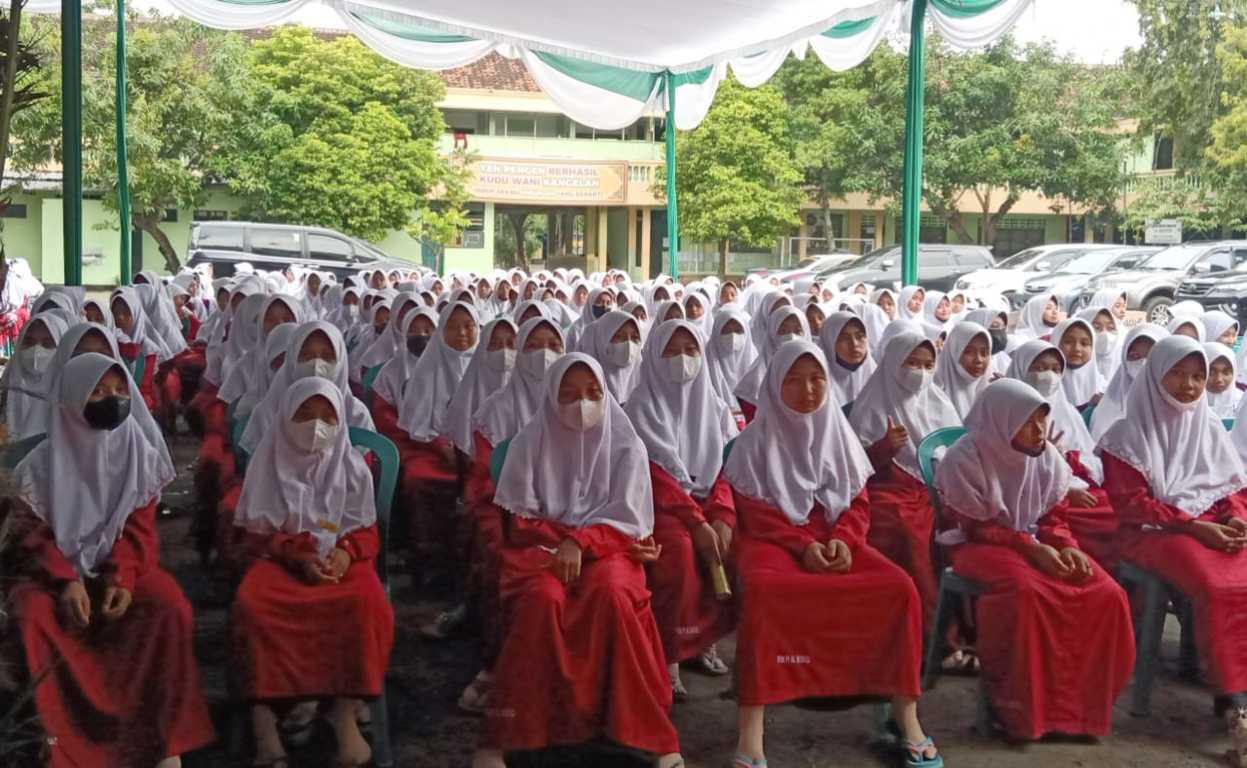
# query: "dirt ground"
[[429, 732]]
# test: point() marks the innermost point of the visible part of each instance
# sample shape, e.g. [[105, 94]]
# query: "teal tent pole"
[[71, 137], [911, 198], [673, 209], [123, 171]]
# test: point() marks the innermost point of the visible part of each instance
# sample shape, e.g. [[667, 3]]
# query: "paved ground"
[[426, 677]]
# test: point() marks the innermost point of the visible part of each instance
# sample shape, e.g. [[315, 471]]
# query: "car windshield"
[[866, 259], [370, 249], [1055, 261], [1174, 257], [1019, 259], [1091, 263]]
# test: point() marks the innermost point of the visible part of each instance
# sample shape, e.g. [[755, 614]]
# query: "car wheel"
[[1156, 310]]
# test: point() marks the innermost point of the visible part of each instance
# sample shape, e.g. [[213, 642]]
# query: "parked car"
[[939, 266], [1220, 283], [803, 275], [1067, 283], [273, 247], [1011, 274], [1151, 287]]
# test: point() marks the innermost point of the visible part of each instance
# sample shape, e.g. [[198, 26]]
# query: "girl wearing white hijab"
[[389, 343], [964, 367], [576, 483], [1220, 327], [310, 520], [1223, 395], [1037, 319], [527, 310], [729, 353], [885, 300], [1187, 325], [845, 343], [1134, 351], [911, 304], [759, 318], [875, 320], [697, 311], [160, 310], [852, 620], [1177, 484], [1107, 342], [615, 341], [600, 301], [1005, 484], [267, 363], [997, 325], [1089, 514], [898, 408], [684, 426], [1082, 382], [99, 599], [241, 334], [418, 329], [24, 381], [490, 369], [937, 313], [378, 327], [251, 372], [137, 340], [786, 323]]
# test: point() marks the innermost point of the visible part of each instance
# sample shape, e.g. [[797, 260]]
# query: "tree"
[[19, 81], [339, 137], [180, 110], [736, 177]]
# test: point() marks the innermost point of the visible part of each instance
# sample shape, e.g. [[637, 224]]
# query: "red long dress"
[[147, 387], [124, 692], [428, 483], [579, 662], [1095, 528], [689, 616], [487, 538], [1215, 582], [297, 640], [806, 634], [1055, 654], [902, 526]]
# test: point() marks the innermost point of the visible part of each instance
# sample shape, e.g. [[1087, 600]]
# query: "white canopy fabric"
[[605, 65]]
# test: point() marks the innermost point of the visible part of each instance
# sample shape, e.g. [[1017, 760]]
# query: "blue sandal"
[[915, 755], [744, 761]]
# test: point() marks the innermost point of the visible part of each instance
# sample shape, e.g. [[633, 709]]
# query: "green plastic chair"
[[14, 454], [846, 409], [1228, 423], [940, 438], [138, 368], [497, 459], [1087, 414], [727, 449], [370, 375], [241, 455]]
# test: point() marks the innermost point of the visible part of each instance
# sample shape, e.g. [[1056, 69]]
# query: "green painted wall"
[[475, 259], [23, 237], [617, 238]]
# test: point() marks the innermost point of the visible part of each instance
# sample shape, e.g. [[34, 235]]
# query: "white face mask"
[[582, 415], [682, 368], [912, 380], [537, 362], [36, 359], [316, 368], [1104, 341], [1181, 406], [1133, 367], [1045, 383], [351, 311], [622, 354], [312, 436], [730, 343], [784, 338], [500, 359]]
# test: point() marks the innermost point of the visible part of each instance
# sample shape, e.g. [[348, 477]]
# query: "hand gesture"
[[1223, 538], [644, 551], [1238, 524], [116, 601], [1048, 560], [311, 568], [336, 563], [725, 537], [1055, 437], [840, 558], [76, 604], [1081, 497], [816, 559], [896, 435], [1078, 564], [567, 561], [706, 542]]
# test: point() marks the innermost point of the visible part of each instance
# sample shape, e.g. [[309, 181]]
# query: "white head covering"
[[141, 333], [727, 367], [161, 312], [503, 413], [596, 341], [436, 376], [1064, 416], [275, 346], [261, 420], [1184, 453], [902, 304], [85, 482], [1223, 404], [1030, 321], [1107, 353], [929, 304], [921, 413], [751, 384], [26, 410], [326, 493], [596, 477], [239, 336], [1194, 321], [1113, 405], [251, 371], [386, 345], [706, 321], [392, 379], [951, 376], [876, 321], [1216, 323], [845, 382], [1079, 384], [684, 425], [486, 374], [1187, 308], [793, 460], [983, 477]]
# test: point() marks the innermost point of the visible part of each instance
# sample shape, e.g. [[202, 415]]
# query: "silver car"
[[1068, 282], [1151, 286]]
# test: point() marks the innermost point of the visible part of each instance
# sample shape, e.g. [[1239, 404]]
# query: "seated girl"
[[1054, 631], [822, 613], [107, 630], [581, 658], [23, 383], [615, 341], [1134, 351], [784, 324], [137, 339], [1186, 520], [310, 521], [1082, 383], [684, 426], [964, 367], [1223, 396], [846, 345], [1107, 341]]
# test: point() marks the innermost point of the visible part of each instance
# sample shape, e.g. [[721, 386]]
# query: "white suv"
[[1010, 275]]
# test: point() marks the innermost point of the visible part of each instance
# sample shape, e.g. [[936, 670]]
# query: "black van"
[[273, 247]]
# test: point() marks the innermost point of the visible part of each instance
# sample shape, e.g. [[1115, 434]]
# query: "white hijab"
[[1030, 321], [1216, 323], [983, 477], [487, 373], [1064, 417], [684, 425], [1184, 453], [1223, 404], [846, 382], [262, 376], [596, 477], [1113, 405], [1107, 347], [728, 366], [141, 332], [961, 388], [793, 460], [240, 335], [1191, 320], [596, 342], [751, 384], [85, 482], [385, 346], [921, 412], [903, 311], [161, 312], [434, 380], [1079, 384], [326, 493], [26, 410], [503, 413], [250, 371], [391, 380]]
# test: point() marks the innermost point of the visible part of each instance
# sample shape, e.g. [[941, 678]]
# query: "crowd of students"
[[681, 462]]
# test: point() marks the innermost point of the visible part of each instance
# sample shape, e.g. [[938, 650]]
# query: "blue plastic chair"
[[14, 453], [1228, 423], [497, 459], [1087, 414], [370, 375], [241, 455], [138, 368]]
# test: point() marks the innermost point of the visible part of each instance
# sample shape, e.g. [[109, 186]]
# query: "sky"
[[1095, 31]]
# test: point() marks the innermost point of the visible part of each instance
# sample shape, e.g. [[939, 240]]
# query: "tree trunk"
[[151, 225], [521, 254], [952, 216], [8, 82], [828, 231], [989, 221], [724, 246]]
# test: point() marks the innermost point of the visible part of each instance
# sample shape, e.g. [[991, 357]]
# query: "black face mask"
[[840, 361], [598, 311], [417, 344], [108, 413], [1000, 340]]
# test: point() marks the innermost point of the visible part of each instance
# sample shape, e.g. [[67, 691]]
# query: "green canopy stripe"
[[390, 26], [963, 8], [625, 82], [849, 28], [695, 77]]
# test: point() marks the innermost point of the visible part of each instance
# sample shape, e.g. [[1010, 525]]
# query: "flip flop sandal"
[[916, 754], [744, 761], [678, 691], [711, 663]]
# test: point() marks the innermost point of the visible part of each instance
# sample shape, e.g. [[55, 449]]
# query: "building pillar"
[[591, 238], [646, 216], [602, 242], [632, 243], [880, 224], [853, 230], [1088, 229], [802, 233]]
